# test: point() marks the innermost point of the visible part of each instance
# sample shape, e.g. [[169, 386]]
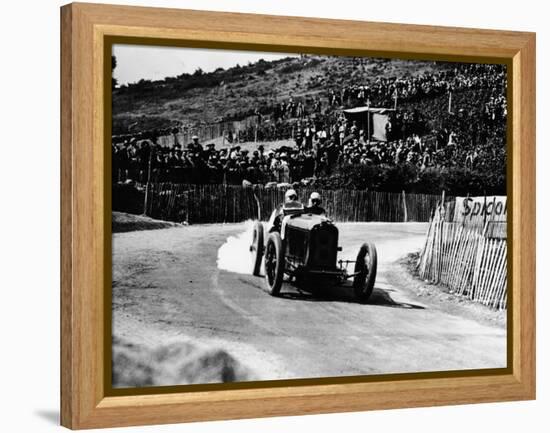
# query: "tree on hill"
[[114, 81]]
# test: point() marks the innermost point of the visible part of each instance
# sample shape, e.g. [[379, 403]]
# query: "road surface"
[[167, 285]]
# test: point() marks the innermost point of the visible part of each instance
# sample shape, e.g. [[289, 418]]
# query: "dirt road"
[[167, 284]]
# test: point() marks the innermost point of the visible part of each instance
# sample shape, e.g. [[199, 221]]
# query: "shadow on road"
[[382, 297], [379, 297]]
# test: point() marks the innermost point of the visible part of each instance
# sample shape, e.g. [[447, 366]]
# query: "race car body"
[[302, 248]]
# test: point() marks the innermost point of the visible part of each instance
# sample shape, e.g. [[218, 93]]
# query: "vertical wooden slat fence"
[[197, 204], [468, 257]]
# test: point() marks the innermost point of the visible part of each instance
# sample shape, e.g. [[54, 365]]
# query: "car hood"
[[307, 221]]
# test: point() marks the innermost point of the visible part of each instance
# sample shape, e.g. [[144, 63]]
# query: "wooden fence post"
[[148, 185], [405, 216]]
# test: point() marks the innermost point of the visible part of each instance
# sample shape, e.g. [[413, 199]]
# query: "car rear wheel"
[[274, 263], [257, 247], [365, 267]]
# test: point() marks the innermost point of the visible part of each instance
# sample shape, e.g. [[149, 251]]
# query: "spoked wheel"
[[257, 247], [274, 263], [366, 265]]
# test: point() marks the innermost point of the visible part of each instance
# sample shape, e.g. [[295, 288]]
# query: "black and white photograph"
[[285, 216]]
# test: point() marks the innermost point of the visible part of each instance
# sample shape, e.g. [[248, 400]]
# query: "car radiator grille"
[[323, 246]]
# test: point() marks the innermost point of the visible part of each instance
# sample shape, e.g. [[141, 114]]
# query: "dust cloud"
[[234, 255]]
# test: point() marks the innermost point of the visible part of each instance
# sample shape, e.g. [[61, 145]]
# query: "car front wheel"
[[365, 269], [274, 263], [257, 247]]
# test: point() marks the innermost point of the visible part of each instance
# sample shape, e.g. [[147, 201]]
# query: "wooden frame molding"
[[84, 29]]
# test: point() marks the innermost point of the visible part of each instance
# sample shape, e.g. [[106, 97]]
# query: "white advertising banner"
[[480, 209]]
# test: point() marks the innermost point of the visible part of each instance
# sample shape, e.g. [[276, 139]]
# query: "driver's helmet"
[[315, 199], [291, 196]]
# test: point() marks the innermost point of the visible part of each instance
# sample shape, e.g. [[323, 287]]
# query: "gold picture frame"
[[87, 33]]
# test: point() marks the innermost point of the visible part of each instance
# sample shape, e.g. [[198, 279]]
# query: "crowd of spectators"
[[381, 92], [282, 120], [470, 135], [317, 153], [196, 163]]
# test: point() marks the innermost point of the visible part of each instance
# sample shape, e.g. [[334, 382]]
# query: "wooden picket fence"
[[196, 204], [468, 257]]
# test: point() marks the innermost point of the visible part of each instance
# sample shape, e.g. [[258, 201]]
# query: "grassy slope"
[[161, 103]]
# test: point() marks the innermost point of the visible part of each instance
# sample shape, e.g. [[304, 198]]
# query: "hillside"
[[234, 93]]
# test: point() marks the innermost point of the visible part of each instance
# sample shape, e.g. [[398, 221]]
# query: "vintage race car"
[[302, 248]]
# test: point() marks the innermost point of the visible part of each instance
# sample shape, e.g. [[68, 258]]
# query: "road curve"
[[166, 284]]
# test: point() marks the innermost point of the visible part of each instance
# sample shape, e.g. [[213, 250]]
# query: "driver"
[[291, 201], [315, 204], [291, 198]]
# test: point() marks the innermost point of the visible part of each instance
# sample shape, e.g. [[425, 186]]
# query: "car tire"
[[274, 262], [257, 247], [366, 266]]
